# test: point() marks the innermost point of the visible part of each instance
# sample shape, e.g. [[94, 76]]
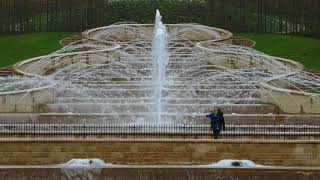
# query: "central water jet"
[[160, 60]]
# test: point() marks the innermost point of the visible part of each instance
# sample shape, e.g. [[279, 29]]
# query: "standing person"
[[217, 122], [221, 120]]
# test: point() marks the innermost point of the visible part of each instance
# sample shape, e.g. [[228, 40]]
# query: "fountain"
[[160, 60], [144, 73], [137, 81], [235, 163]]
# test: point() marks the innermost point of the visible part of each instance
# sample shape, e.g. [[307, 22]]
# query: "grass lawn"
[[17, 47], [305, 50]]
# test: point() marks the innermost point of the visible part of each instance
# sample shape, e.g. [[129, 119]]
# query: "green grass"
[[305, 50], [17, 47]]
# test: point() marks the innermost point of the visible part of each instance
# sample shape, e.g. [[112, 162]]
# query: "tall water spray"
[[160, 60]]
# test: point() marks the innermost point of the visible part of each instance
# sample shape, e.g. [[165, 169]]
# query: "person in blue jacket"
[[217, 123]]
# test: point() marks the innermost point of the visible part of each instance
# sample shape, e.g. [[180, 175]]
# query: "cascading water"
[[160, 60], [124, 81]]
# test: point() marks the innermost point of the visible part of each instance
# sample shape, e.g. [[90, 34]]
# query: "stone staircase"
[[6, 71]]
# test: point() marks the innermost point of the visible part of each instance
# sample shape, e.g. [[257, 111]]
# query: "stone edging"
[[219, 141], [163, 167]]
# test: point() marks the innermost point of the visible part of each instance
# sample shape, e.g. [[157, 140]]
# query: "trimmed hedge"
[[143, 11]]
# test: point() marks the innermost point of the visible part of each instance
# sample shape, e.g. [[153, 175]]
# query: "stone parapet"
[[160, 152], [159, 173]]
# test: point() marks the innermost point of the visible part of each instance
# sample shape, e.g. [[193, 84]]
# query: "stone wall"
[[267, 152], [289, 101], [25, 101], [163, 173]]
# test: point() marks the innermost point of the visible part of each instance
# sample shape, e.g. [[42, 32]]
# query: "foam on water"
[[86, 163], [235, 163]]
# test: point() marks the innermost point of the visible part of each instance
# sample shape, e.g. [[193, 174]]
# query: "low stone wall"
[[160, 152], [290, 101], [25, 101], [159, 173]]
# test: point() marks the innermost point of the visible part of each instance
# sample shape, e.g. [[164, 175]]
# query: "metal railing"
[[158, 131]]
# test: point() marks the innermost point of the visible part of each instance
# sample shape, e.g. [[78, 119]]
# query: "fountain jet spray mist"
[[160, 60]]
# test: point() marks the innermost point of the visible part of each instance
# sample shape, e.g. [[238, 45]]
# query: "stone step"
[[109, 118], [148, 108], [164, 100], [6, 71], [7, 68], [169, 86], [176, 93], [3, 74], [224, 83]]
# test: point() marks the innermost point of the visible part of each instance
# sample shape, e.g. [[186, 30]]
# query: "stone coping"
[[70, 37], [26, 90], [104, 114], [228, 36], [173, 167], [93, 140], [239, 39]]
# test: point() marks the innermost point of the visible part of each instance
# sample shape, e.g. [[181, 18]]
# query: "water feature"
[[160, 60], [86, 163], [236, 163], [164, 77], [131, 73]]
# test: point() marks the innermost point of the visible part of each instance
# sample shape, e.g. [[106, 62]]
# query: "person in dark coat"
[[216, 122]]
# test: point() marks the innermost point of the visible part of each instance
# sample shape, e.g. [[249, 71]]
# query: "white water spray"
[[160, 60]]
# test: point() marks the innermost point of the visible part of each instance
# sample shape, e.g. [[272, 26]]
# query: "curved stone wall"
[[130, 32], [57, 61]]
